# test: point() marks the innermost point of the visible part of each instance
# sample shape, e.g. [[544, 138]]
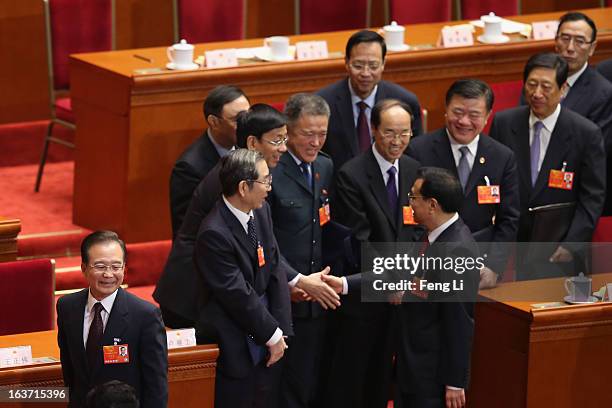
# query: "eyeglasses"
[[580, 42], [267, 181], [362, 65], [101, 267], [279, 142], [412, 197], [392, 135], [460, 113]]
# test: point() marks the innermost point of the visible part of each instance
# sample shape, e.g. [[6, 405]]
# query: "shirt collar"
[[435, 233], [472, 146], [107, 302], [382, 162], [222, 151], [242, 217], [370, 100], [549, 122], [296, 159], [571, 80]]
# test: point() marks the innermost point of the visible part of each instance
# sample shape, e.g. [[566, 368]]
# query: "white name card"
[[544, 30], [457, 36], [221, 58], [309, 50], [15, 356], [181, 338]]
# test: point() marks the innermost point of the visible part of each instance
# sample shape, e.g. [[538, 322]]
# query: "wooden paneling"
[[9, 229]]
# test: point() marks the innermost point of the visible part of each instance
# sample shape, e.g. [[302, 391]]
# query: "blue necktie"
[[535, 151], [392, 190], [463, 169], [306, 171]]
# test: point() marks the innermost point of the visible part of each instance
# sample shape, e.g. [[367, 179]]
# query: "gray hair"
[[238, 165], [305, 104]]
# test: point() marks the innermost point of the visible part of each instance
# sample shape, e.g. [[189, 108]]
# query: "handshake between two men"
[[319, 288]]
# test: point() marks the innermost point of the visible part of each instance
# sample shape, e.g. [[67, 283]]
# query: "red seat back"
[[27, 296], [210, 20], [77, 26], [416, 11], [145, 262], [324, 15], [507, 95], [473, 9]]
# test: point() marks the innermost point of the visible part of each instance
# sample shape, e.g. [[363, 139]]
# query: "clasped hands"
[[315, 287]]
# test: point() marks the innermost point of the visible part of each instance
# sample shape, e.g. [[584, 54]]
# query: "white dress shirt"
[[384, 167], [472, 150], [549, 125], [370, 101], [107, 306]]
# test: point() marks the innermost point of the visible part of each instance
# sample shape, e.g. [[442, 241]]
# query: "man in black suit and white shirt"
[[482, 164], [246, 307], [221, 108], [372, 199], [560, 157], [105, 333], [351, 100]]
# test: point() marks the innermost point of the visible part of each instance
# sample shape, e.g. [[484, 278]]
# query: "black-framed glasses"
[[412, 197], [102, 267], [578, 41], [267, 181]]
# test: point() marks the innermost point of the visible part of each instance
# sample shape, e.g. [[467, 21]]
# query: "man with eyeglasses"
[[351, 100], [482, 165], [221, 108], [300, 211], [106, 333], [372, 199], [245, 305], [560, 158]]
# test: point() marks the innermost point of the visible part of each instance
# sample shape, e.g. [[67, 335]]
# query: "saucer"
[[498, 40], [190, 67], [397, 48], [568, 299], [264, 54]]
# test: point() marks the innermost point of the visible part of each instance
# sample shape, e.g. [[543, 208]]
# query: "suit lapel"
[[237, 230], [520, 134], [478, 168], [405, 184], [573, 99], [345, 109], [76, 322], [379, 190], [292, 170], [442, 151]]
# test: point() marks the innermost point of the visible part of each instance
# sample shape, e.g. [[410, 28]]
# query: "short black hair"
[[471, 89], [238, 165], [100, 237], [442, 185], [219, 97], [547, 60], [259, 119], [578, 16], [384, 105], [365, 36], [112, 394]]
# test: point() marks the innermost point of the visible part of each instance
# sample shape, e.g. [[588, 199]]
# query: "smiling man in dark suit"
[[351, 99], [221, 108], [105, 333], [372, 199], [552, 143], [245, 307], [481, 164]]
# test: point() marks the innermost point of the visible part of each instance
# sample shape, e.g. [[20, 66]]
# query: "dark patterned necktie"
[[252, 233], [534, 152], [94, 337], [392, 190], [463, 169], [363, 131]]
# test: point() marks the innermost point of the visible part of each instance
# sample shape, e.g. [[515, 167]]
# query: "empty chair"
[[416, 11], [507, 95], [473, 9], [71, 26], [209, 20], [313, 16], [27, 296]]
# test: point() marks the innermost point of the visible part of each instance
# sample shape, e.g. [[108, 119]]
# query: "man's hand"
[[334, 282], [298, 295], [455, 398], [488, 278], [315, 287], [561, 255], [395, 298], [277, 351]]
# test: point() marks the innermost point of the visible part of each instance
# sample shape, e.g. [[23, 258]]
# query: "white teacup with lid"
[[278, 46], [394, 37], [181, 55], [492, 28]]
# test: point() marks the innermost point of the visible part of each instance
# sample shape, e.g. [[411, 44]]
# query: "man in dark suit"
[[105, 333], [245, 307], [372, 199], [482, 165], [351, 100], [435, 326], [560, 157], [221, 108], [300, 209]]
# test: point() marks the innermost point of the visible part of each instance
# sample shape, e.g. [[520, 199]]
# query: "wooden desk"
[[189, 369], [559, 357], [9, 229], [133, 125]]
